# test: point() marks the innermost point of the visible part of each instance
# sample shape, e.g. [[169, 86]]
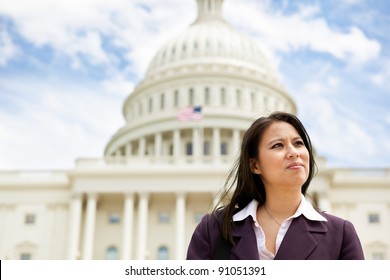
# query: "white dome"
[[209, 65], [210, 39]]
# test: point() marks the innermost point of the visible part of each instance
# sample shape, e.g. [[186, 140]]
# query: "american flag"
[[191, 113]]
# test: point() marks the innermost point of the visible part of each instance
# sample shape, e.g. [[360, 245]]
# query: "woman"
[[268, 216]]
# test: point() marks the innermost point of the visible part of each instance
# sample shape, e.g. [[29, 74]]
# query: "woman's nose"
[[292, 152]]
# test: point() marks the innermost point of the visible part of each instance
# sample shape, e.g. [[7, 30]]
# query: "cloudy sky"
[[67, 66]]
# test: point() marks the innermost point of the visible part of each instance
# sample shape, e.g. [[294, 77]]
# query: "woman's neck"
[[282, 205]]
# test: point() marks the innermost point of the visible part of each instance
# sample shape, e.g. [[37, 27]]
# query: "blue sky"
[[67, 66]]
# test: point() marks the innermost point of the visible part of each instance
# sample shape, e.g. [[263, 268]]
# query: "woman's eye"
[[277, 145], [299, 143]]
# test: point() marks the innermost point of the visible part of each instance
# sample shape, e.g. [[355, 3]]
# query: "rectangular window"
[[150, 105], [112, 253], [206, 148], [163, 218], [29, 219], [114, 218], [207, 96], [162, 101], [238, 98], [378, 256], [223, 97], [224, 149], [191, 97], [170, 149], [25, 256], [189, 149], [176, 99], [373, 218]]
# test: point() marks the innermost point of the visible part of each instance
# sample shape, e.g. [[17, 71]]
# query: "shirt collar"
[[304, 208]]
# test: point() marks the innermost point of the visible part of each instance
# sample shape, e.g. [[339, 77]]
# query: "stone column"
[[7, 231], [128, 218], [176, 145], [74, 226], [180, 226], [235, 142], [142, 225], [196, 145], [141, 147], [89, 231], [216, 145], [157, 145], [128, 150]]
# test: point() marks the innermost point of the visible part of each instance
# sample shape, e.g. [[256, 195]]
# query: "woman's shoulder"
[[212, 218], [335, 220]]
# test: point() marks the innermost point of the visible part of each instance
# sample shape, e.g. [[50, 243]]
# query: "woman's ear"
[[254, 166]]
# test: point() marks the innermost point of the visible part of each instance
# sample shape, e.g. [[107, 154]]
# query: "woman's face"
[[283, 159]]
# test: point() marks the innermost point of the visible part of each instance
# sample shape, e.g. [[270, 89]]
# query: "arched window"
[[112, 253], [163, 253]]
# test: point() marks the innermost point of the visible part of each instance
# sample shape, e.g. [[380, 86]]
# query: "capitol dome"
[[210, 40], [211, 68]]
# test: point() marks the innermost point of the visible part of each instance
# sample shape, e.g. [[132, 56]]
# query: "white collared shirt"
[[304, 208]]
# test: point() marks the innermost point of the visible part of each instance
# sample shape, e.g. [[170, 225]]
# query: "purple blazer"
[[335, 239]]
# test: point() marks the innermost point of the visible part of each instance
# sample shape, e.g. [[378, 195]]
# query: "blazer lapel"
[[245, 247], [298, 242]]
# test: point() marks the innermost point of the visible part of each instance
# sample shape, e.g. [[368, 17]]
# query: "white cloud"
[[382, 76], [378, 79], [56, 124], [333, 81], [344, 138], [85, 28], [8, 49], [118, 85], [314, 87], [351, 2], [301, 30]]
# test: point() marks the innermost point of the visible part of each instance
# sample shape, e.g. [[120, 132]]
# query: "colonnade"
[[138, 147], [87, 251]]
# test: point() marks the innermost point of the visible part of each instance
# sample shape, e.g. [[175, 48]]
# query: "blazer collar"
[[245, 244], [298, 242]]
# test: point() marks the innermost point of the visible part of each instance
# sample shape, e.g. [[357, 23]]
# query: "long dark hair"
[[249, 186]]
